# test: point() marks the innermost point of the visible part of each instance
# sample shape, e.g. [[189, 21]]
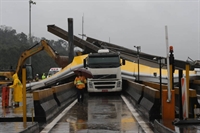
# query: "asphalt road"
[[98, 114]]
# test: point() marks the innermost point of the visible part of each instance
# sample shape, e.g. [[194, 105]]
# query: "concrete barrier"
[[34, 128], [147, 98], [192, 97], [160, 128], [135, 90], [154, 85], [48, 103], [150, 103], [45, 106], [64, 94]]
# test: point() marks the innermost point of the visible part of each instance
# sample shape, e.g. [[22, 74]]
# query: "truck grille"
[[108, 76], [104, 85]]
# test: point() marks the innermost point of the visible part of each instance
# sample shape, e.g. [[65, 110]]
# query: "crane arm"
[[33, 50], [50, 51], [61, 61], [43, 45]]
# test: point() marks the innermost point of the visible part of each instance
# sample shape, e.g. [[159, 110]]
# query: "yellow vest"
[[80, 82]]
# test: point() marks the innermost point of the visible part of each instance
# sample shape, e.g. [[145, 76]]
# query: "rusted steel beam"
[[146, 57], [87, 46]]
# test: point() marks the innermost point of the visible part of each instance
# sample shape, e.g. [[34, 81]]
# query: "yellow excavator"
[[61, 61]]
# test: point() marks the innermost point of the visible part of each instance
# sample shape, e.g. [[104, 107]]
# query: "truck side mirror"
[[84, 63], [123, 62]]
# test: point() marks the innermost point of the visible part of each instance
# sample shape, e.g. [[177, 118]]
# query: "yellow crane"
[[61, 61]]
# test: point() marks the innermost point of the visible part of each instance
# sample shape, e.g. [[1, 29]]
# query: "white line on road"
[[142, 124], [48, 128]]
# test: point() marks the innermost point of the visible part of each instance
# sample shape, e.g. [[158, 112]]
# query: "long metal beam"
[[87, 46], [145, 57], [93, 45], [90, 46]]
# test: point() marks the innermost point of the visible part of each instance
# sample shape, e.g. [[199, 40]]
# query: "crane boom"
[[43, 45], [61, 61]]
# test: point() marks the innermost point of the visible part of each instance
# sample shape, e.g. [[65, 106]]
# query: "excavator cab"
[[29, 73]]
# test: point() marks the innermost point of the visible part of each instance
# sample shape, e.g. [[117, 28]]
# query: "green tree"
[[13, 44]]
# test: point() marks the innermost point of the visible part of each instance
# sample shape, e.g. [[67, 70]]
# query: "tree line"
[[13, 44]]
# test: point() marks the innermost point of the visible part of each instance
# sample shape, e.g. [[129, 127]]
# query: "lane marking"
[[139, 120], [48, 128]]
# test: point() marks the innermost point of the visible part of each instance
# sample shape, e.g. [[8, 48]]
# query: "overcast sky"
[[123, 22]]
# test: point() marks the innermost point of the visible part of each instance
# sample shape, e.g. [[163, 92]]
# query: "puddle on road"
[[99, 114]]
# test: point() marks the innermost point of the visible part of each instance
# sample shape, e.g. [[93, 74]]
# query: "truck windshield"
[[104, 62]]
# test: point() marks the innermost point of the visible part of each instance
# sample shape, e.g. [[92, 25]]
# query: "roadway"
[[99, 113], [110, 114], [107, 113]]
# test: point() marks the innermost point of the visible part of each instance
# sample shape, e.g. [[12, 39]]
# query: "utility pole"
[[83, 26], [138, 56], [30, 41]]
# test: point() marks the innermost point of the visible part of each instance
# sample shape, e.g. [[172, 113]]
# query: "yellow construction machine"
[[61, 61]]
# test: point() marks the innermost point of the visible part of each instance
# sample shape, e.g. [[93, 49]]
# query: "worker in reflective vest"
[[80, 82], [43, 76]]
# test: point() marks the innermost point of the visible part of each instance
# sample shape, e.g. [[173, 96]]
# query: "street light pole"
[[82, 26], [30, 2], [160, 61], [160, 81], [138, 56], [138, 66], [83, 35]]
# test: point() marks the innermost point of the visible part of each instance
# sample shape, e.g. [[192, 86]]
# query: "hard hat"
[[36, 74]]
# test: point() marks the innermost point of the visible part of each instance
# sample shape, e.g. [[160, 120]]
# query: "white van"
[[53, 71]]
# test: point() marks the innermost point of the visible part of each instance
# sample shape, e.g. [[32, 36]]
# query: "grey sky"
[[126, 23]]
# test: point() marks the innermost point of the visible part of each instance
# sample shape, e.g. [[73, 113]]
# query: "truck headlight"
[[90, 85], [118, 83]]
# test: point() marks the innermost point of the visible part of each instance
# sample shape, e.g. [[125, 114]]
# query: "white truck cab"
[[105, 67]]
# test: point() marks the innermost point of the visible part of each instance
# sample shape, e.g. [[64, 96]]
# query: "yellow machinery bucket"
[[62, 61]]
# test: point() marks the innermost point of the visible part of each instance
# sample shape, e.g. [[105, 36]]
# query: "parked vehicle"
[[53, 71]]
